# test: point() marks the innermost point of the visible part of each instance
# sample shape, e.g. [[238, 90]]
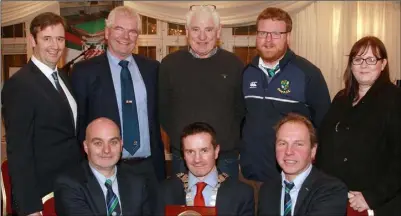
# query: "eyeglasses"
[[274, 35], [120, 30], [194, 7], [369, 61]]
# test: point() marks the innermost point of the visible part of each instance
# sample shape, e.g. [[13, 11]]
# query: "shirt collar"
[[299, 180], [101, 178], [114, 60], [263, 65], [42, 67], [214, 51], [210, 179]]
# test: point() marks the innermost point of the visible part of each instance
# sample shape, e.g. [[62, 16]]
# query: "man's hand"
[[357, 201], [36, 214]]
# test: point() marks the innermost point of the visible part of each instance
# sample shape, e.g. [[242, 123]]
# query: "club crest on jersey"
[[284, 87]]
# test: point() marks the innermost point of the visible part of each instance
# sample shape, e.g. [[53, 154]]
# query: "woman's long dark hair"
[[361, 46]]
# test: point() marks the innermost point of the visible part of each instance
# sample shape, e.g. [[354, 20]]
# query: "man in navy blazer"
[[122, 86], [39, 114], [301, 189], [100, 186]]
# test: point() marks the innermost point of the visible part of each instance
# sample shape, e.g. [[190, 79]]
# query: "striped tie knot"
[[288, 186], [272, 71], [108, 183]]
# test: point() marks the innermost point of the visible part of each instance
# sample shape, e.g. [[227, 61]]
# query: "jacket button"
[[345, 159]]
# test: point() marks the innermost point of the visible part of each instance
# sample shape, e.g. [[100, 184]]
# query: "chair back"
[[6, 189]]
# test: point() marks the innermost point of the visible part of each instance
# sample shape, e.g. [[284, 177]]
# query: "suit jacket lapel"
[[128, 199], [273, 202], [105, 83], [66, 81], [95, 191], [305, 190], [67, 84], [49, 91]]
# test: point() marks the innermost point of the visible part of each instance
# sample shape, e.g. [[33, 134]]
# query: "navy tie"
[[131, 140], [287, 198]]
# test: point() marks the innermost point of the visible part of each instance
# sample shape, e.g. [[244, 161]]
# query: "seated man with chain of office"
[[204, 184]]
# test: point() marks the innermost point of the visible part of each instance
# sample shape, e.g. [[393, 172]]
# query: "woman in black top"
[[360, 136]]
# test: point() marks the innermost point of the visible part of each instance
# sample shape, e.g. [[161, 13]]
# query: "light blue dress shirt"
[[298, 181], [102, 179], [211, 180], [141, 102]]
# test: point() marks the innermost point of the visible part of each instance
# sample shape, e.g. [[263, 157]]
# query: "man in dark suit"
[[301, 189], [123, 87], [39, 114], [99, 186], [204, 185]]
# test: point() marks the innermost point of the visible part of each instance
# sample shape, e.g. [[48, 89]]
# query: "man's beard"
[[273, 55]]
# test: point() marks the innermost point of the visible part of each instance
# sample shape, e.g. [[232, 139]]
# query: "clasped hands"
[[357, 201]]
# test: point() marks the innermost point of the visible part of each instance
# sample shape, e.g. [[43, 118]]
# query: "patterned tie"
[[58, 86], [113, 206], [272, 71], [287, 198], [131, 139], [199, 199]]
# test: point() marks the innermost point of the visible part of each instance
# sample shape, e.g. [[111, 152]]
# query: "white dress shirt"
[[47, 71], [102, 180], [298, 181]]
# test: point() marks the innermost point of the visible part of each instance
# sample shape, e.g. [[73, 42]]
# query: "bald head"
[[103, 145], [100, 124]]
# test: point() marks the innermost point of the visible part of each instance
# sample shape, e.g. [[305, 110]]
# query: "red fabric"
[[49, 208], [199, 199], [73, 38], [352, 212]]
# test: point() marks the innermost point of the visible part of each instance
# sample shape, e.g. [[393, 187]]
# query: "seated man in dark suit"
[[301, 189], [99, 186], [204, 185]]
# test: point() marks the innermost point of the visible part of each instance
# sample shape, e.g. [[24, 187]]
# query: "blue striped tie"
[[113, 206], [287, 198]]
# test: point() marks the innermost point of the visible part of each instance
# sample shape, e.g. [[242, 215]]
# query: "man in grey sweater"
[[202, 83]]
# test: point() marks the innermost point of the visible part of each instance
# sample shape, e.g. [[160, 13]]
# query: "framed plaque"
[[182, 210]]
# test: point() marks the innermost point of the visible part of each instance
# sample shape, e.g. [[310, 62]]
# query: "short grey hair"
[[126, 11], [202, 11]]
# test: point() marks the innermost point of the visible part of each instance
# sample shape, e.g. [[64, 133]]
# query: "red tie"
[[199, 200]]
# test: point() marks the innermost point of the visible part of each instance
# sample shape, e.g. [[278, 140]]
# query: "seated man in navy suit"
[[99, 186], [301, 189], [204, 184]]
